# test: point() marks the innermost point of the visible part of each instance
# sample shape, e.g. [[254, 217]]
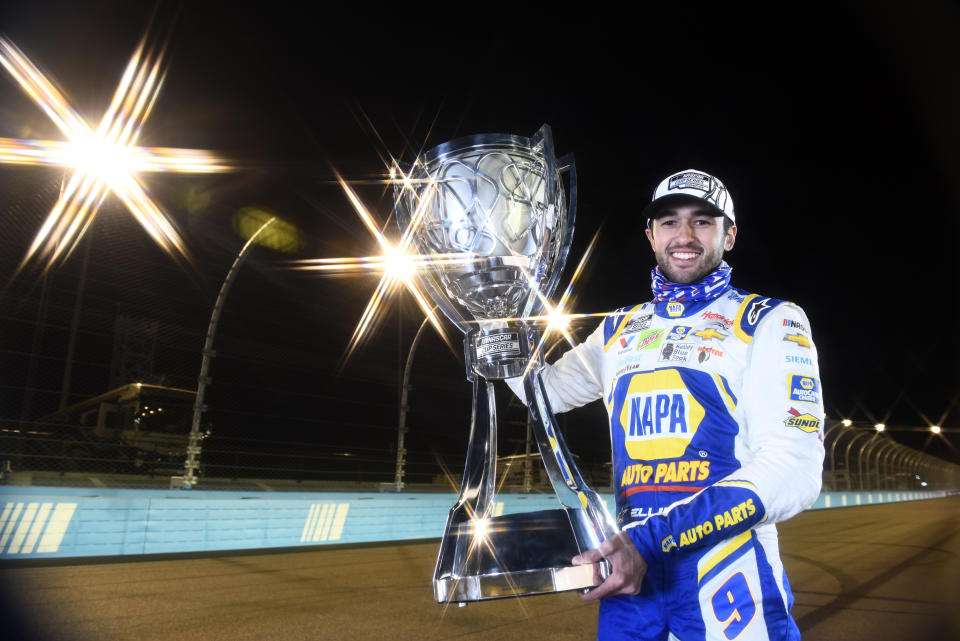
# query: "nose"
[[685, 233]]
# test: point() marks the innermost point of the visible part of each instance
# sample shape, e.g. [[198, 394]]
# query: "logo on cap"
[[690, 180]]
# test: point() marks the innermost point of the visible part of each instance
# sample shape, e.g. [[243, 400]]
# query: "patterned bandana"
[[707, 288]]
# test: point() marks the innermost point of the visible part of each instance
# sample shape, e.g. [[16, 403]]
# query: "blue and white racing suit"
[[716, 429]]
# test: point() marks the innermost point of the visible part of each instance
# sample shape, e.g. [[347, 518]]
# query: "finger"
[[607, 588], [589, 556]]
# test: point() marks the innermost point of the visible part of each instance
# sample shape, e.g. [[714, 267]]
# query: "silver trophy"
[[490, 212]]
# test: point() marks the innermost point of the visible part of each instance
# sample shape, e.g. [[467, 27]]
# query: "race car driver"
[[715, 415]]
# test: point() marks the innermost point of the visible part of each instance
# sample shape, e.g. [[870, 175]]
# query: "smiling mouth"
[[684, 255]]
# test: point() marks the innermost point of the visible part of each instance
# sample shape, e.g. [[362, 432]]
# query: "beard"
[[708, 261]]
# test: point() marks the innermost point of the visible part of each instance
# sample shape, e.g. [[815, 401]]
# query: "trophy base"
[[514, 584], [517, 555]]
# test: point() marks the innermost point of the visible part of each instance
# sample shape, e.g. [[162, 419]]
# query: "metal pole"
[[826, 435], [898, 462], [865, 453], [833, 447], [192, 463], [887, 446], [527, 463], [846, 458], [892, 466], [402, 412]]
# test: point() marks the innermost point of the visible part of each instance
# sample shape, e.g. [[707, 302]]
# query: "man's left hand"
[[627, 567]]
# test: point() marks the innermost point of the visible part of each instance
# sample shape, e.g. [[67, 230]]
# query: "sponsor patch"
[[668, 543], [805, 389], [789, 323], [798, 339], [637, 324], [719, 522], [805, 422], [674, 309], [707, 352], [756, 310], [690, 180], [626, 369], [719, 318], [790, 359], [650, 339], [678, 332], [675, 352], [625, 342], [662, 474], [709, 334]]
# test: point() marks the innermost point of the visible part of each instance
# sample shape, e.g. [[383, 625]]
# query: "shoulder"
[[756, 310], [626, 319]]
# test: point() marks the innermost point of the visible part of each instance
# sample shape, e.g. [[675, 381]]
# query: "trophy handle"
[[564, 164], [478, 488], [568, 484]]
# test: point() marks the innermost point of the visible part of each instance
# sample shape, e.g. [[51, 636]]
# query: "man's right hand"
[[627, 567]]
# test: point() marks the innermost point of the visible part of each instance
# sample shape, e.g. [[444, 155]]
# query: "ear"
[[730, 238], [649, 232]]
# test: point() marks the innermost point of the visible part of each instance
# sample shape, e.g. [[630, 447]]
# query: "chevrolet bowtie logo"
[[707, 334], [799, 339]]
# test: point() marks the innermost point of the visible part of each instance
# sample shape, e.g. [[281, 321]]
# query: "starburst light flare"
[[397, 264], [105, 159]]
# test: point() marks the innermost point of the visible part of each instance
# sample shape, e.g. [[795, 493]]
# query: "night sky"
[[834, 130]]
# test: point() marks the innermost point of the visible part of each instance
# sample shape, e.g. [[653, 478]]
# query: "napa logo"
[[659, 415], [679, 332], [668, 544], [805, 389], [674, 309]]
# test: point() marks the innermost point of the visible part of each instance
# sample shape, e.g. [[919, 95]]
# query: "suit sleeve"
[[575, 379], [783, 420]]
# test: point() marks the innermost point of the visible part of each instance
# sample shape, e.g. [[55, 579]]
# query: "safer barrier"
[[40, 522]]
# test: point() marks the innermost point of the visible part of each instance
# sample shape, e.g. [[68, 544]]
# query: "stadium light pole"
[[192, 462], [402, 411]]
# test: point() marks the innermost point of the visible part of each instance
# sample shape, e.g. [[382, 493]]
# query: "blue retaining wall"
[[73, 522]]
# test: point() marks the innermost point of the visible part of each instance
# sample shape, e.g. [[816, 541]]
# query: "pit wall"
[[38, 522]]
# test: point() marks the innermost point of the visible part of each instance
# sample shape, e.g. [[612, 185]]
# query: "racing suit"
[[716, 430]]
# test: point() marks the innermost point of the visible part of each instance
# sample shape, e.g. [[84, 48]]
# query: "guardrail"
[[861, 457], [38, 522]]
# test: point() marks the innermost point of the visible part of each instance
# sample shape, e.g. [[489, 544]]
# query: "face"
[[689, 241]]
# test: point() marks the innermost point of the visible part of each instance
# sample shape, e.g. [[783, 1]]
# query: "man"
[[715, 415]]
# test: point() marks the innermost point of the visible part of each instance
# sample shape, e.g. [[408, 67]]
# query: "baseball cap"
[[692, 183]]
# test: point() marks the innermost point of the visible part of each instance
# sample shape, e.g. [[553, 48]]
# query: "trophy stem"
[[488, 556], [568, 484]]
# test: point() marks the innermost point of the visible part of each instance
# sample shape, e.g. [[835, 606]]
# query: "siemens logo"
[[798, 360]]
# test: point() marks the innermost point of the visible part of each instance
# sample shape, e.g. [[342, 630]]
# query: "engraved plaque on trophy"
[[493, 210]]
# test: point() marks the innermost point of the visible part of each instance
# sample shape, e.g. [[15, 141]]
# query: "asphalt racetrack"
[[872, 572]]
